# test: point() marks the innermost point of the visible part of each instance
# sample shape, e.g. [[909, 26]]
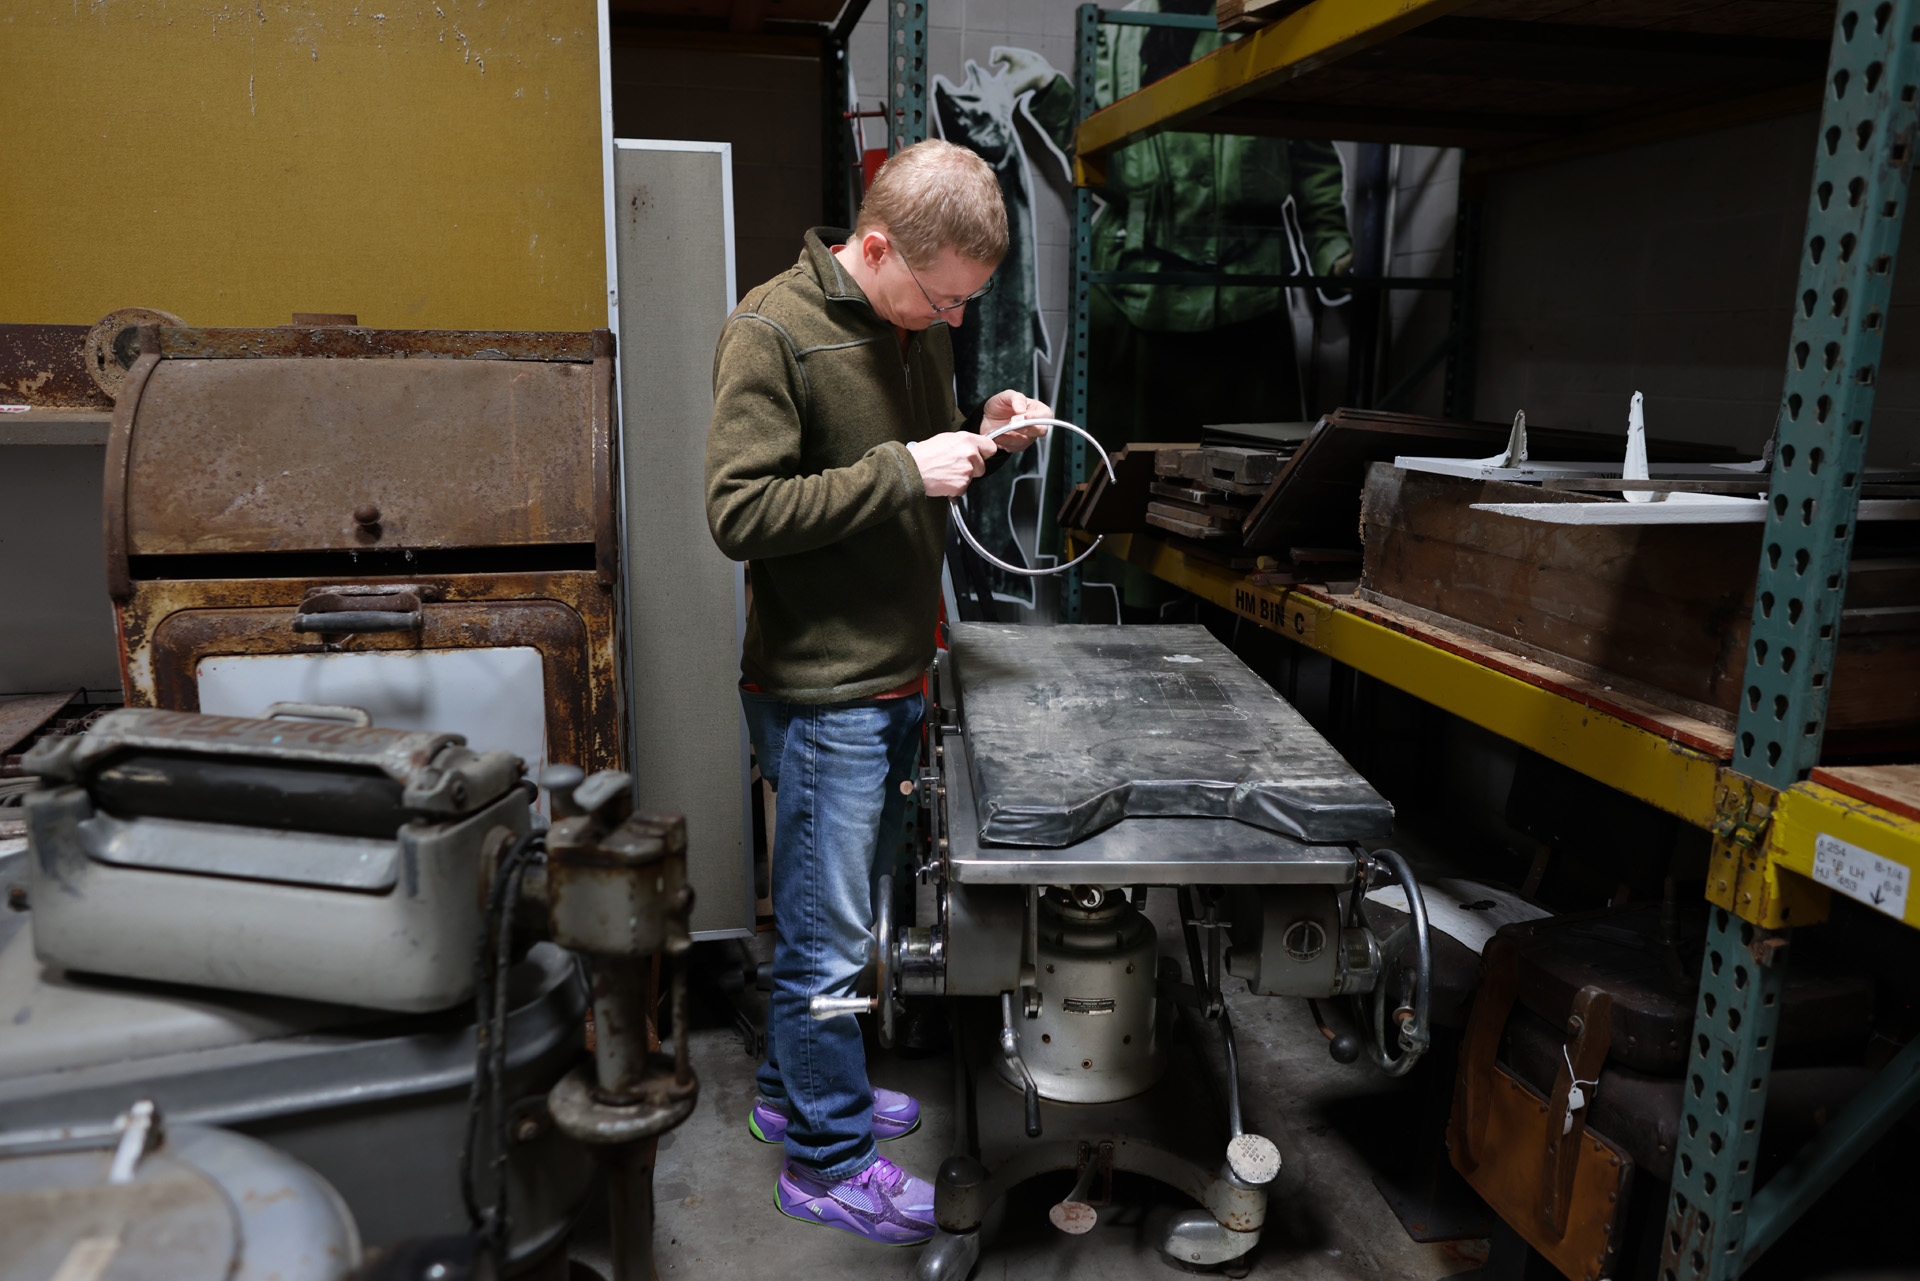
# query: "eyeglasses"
[[975, 296]]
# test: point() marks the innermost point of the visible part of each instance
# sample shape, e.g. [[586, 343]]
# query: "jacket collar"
[[818, 258]]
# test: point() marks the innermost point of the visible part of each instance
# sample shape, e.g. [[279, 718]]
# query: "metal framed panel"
[[685, 606], [172, 630]]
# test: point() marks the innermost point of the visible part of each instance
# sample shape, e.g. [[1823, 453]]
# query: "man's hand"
[[1007, 406], [949, 462]]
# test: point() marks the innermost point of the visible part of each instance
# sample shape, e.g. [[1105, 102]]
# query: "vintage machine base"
[[1167, 1134]]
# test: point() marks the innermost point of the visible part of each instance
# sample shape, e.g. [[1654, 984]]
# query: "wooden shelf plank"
[[1894, 788]]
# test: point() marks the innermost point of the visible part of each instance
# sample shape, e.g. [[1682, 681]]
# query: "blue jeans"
[[838, 824]]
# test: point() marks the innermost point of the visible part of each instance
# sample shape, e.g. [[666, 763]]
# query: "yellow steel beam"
[[1669, 775], [1323, 32], [1847, 846]]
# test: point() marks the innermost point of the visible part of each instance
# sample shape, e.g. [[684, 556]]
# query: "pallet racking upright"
[[1786, 833]]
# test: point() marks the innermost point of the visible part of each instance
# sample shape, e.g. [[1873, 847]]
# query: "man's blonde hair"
[[933, 196]]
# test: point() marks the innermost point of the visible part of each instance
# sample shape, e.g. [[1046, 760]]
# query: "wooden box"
[[1661, 612]]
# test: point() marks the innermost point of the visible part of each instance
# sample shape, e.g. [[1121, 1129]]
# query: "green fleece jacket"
[[810, 481]]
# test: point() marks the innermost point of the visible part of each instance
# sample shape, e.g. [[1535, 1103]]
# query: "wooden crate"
[[1662, 612]]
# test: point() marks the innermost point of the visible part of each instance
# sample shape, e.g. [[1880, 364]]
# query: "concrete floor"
[[714, 1186]]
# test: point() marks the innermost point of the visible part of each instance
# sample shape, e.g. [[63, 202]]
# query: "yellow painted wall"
[[419, 164]]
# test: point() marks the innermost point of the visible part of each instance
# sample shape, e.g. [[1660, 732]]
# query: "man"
[[834, 445]]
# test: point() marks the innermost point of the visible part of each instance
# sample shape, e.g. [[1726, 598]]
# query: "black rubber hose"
[[483, 1016]]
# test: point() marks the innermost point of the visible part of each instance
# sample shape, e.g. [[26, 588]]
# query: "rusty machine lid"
[[349, 439]]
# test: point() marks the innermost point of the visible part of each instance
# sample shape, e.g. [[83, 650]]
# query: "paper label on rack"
[[1878, 882]]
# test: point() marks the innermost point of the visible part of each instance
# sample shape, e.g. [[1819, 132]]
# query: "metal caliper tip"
[[1253, 1158]]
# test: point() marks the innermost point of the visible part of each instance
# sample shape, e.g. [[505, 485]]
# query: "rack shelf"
[[1670, 761], [1518, 83], [1810, 811]]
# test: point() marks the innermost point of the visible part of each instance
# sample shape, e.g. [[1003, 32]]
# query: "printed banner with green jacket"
[[1165, 359]]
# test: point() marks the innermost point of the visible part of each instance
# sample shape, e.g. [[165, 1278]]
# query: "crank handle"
[[832, 1007]]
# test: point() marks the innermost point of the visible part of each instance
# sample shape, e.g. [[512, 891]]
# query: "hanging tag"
[[1576, 1099]]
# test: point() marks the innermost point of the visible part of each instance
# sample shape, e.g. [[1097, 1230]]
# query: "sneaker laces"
[[890, 1177]]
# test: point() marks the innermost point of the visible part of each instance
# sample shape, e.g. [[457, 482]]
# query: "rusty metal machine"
[[295, 882], [418, 523], [615, 891], [1072, 773]]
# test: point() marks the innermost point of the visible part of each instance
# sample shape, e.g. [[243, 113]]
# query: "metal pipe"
[[1234, 1127], [1183, 901], [630, 1196], [966, 1130], [823, 1008], [1414, 1034], [682, 1068], [960, 523], [619, 1026]]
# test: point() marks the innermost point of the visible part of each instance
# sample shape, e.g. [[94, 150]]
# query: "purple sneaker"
[[882, 1203], [895, 1116]]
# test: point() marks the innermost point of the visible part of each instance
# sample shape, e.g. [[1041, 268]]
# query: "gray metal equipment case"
[[297, 858]]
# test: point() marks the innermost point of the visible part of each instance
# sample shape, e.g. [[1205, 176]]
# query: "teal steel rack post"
[[1717, 1223]]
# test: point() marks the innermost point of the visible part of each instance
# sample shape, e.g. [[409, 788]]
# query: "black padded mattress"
[[1070, 730]]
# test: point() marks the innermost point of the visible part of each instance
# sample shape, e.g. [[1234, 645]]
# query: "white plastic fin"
[[1635, 465]]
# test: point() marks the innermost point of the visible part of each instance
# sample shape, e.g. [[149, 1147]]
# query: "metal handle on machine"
[[352, 608], [321, 712], [960, 521], [356, 621], [1414, 1035], [1010, 1050], [823, 1008]]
